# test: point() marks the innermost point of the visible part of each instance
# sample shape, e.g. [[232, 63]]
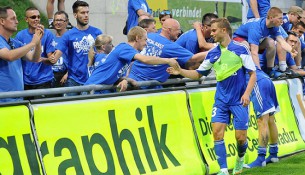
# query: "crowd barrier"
[[154, 133]]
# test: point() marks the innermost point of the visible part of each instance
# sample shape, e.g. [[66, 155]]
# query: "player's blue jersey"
[[37, 73], [78, 43], [113, 66], [230, 90], [159, 46], [255, 29]]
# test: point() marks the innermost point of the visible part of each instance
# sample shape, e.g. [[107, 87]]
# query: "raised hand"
[[52, 58], [39, 31], [197, 25], [294, 53]]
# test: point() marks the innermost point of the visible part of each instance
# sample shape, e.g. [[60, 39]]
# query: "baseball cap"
[[297, 10]]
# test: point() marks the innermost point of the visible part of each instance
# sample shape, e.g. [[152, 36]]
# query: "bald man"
[[163, 45]]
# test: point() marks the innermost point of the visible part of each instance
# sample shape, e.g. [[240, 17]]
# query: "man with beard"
[[77, 42]]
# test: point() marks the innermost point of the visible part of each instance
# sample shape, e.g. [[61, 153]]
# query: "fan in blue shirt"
[[114, 66], [11, 73], [37, 75], [136, 8], [190, 39], [77, 42], [162, 45], [259, 34], [258, 8]]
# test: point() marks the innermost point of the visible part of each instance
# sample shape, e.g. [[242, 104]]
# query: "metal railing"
[[92, 88]]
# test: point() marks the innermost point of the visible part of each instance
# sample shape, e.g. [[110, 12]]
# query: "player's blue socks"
[[273, 150], [260, 160], [241, 149], [221, 153]]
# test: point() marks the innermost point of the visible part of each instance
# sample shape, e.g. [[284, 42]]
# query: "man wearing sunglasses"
[[11, 50], [163, 15], [37, 75]]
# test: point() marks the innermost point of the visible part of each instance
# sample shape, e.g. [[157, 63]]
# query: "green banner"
[[189, 11], [17, 149], [141, 134]]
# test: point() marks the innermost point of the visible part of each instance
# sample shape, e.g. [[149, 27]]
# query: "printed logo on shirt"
[[54, 43], [84, 44], [153, 48], [123, 71]]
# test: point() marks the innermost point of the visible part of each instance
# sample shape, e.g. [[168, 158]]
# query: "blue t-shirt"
[[61, 64], [189, 40], [287, 25], [263, 7], [230, 90], [77, 43], [255, 29], [133, 7], [98, 59], [37, 73], [11, 74], [113, 66], [158, 46]]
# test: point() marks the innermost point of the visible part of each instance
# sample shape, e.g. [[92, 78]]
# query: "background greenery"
[[19, 7]]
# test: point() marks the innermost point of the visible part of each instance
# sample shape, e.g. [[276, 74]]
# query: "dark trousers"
[[45, 85]]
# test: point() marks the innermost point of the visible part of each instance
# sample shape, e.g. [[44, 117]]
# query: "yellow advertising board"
[[290, 140], [17, 149], [201, 103], [140, 134], [157, 6]]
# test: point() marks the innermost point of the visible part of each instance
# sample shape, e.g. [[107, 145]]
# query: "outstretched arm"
[[286, 46], [156, 60], [192, 74]]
